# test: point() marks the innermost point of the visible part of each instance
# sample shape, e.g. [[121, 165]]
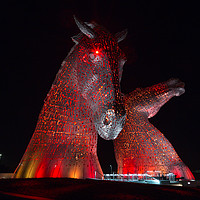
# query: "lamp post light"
[[1, 157], [111, 169]]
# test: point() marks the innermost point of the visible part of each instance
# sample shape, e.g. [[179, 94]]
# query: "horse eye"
[[92, 56]]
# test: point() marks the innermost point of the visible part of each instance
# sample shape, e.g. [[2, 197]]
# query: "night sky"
[[162, 43]]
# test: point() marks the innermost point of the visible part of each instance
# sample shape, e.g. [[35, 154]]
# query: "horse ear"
[[77, 38], [121, 35], [84, 28]]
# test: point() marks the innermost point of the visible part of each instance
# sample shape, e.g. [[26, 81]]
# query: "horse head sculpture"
[[141, 147], [84, 100], [99, 67]]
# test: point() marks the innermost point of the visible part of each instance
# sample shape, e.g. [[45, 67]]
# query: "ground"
[[64, 188]]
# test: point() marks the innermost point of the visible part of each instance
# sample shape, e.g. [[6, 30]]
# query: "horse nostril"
[[109, 116], [106, 121]]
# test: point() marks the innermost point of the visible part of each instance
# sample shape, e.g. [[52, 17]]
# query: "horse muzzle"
[[111, 122]]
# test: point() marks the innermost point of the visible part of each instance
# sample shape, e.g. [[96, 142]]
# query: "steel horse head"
[[84, 100], [99, 64]]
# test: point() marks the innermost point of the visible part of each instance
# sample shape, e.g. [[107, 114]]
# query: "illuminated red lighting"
[[141, 147], [64, 143]]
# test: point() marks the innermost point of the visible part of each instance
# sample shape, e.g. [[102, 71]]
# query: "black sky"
[[162, 43]]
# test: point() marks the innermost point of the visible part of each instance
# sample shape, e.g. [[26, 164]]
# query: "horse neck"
[[65, 86], [80, 128]]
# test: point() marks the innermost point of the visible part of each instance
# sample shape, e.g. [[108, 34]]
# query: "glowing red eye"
[[96, 52]]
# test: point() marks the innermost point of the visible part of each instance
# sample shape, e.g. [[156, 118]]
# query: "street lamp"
[[111, 168]]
